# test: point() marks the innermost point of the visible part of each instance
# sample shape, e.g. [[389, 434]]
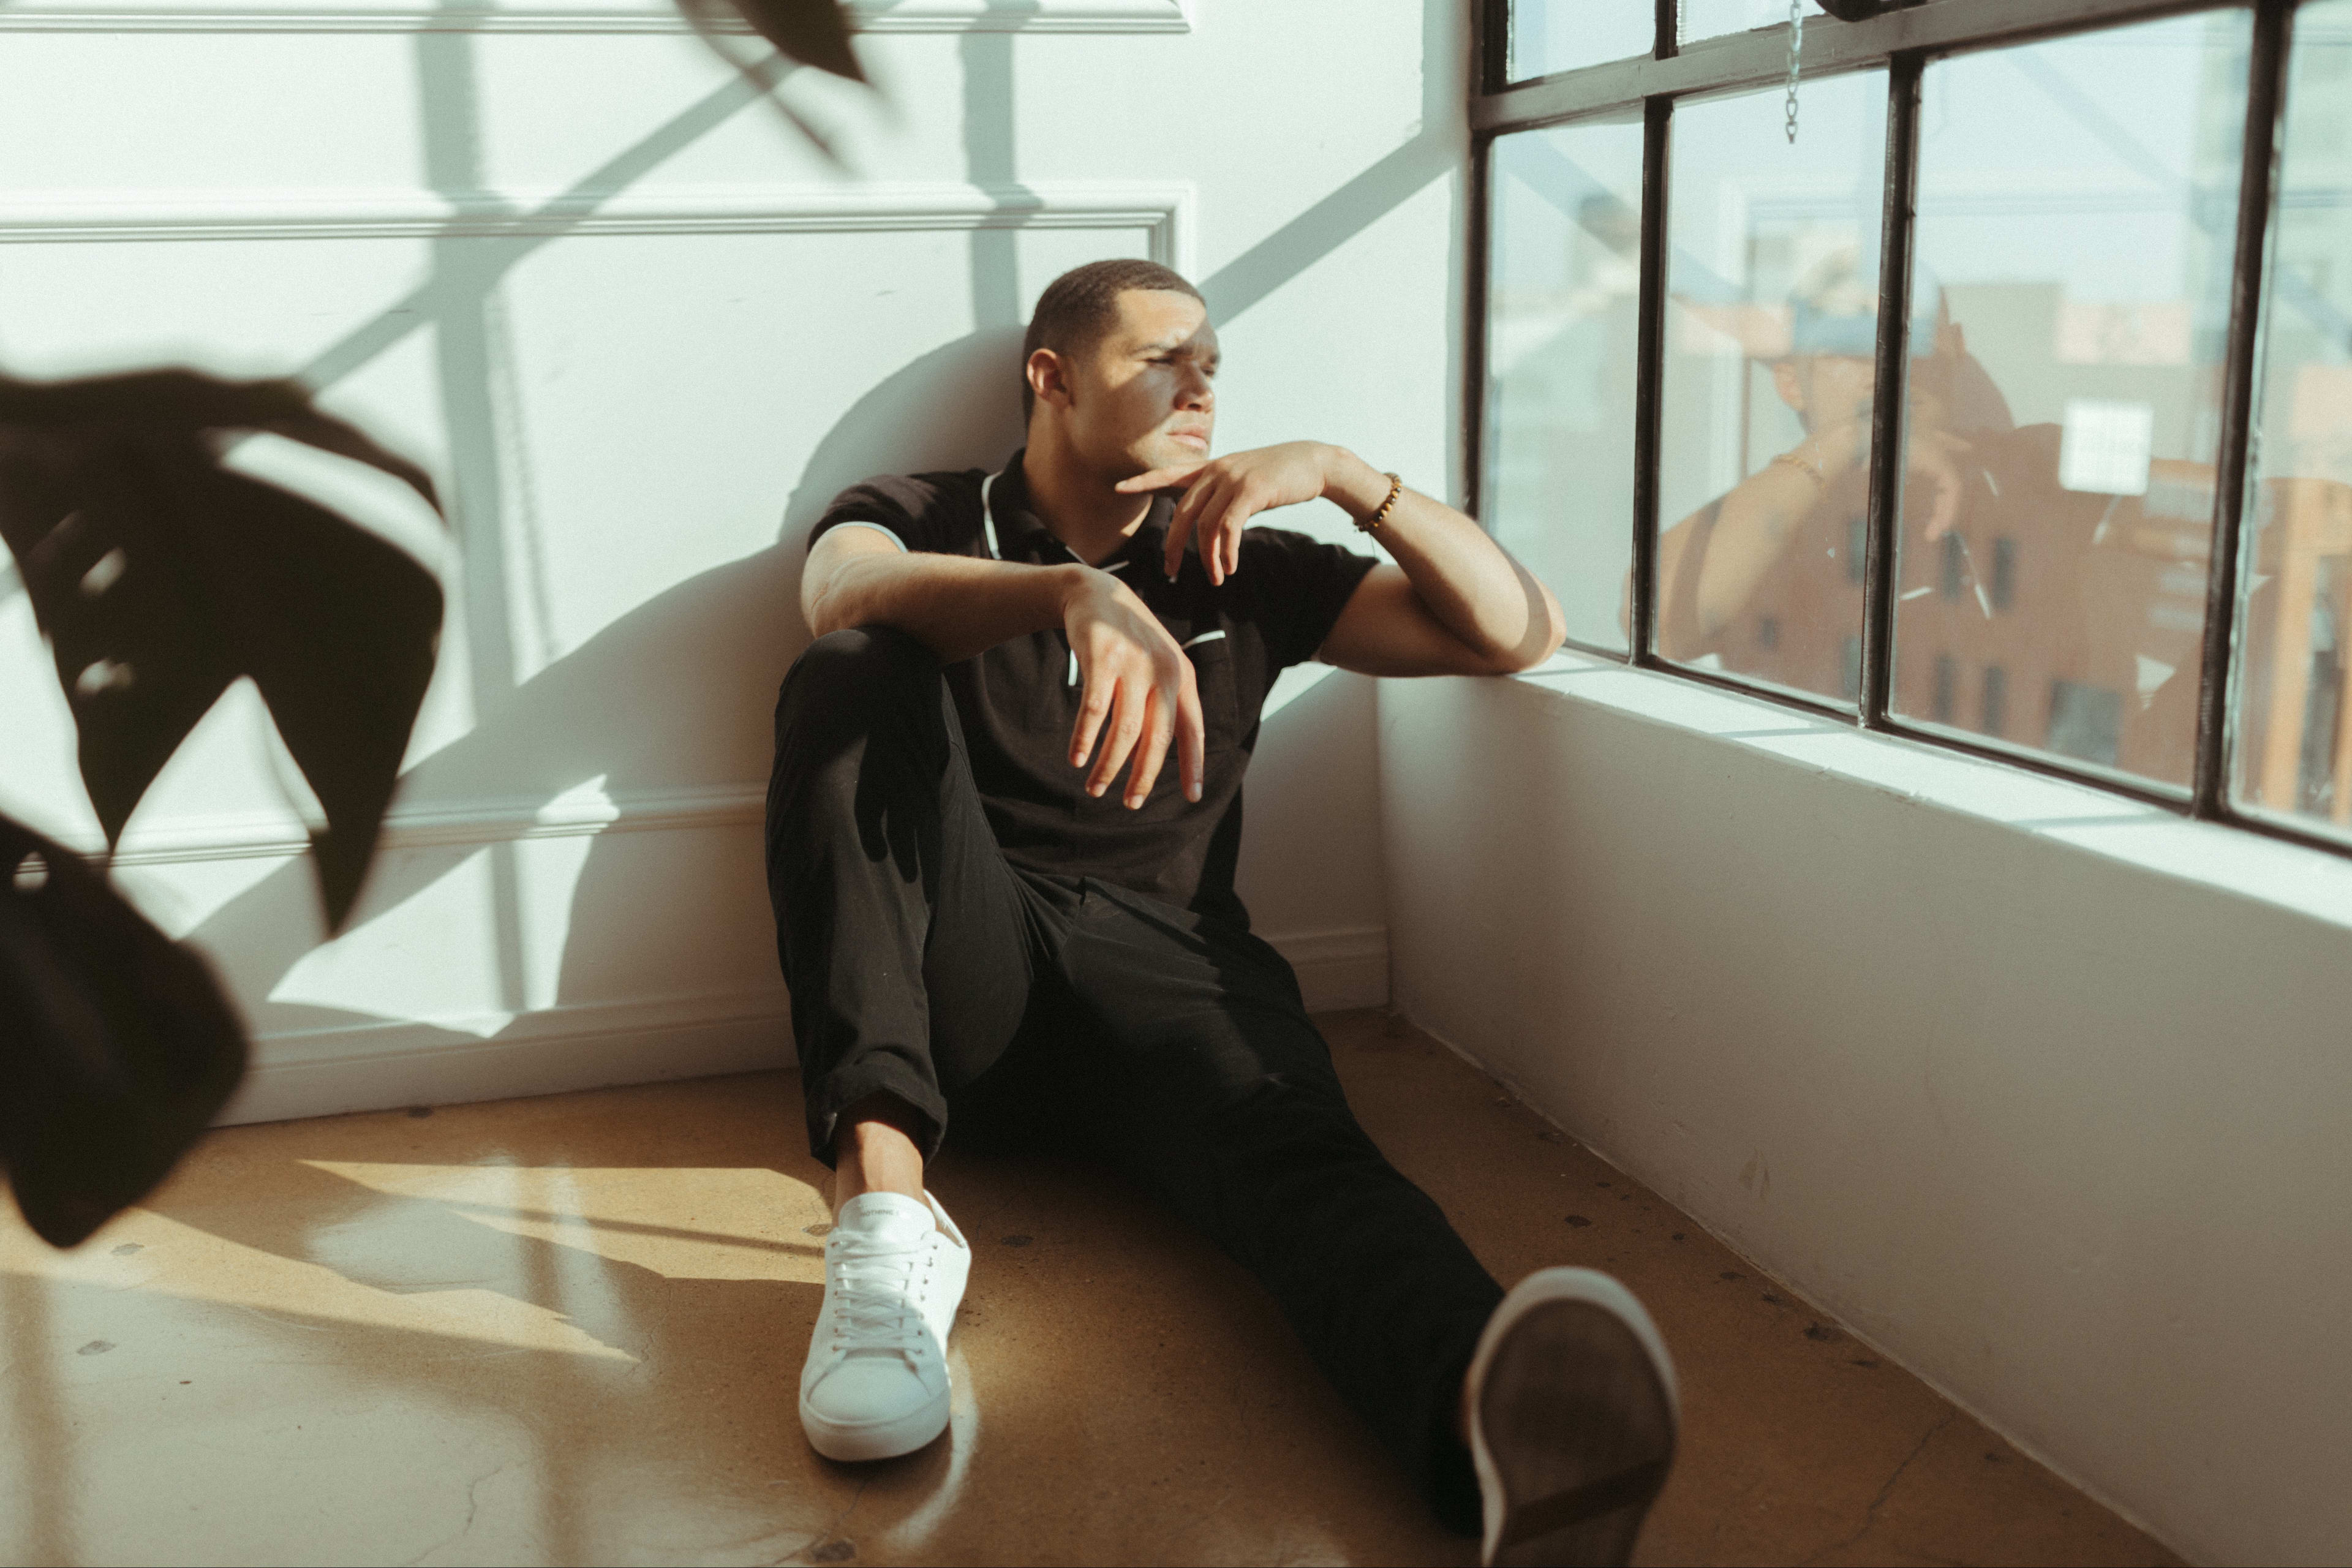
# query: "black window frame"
[[1902, 42]]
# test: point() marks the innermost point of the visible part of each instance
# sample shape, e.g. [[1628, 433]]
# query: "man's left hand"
[[1222, 494]]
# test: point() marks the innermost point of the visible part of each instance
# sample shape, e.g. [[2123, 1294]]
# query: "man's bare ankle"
[[876, 1152]]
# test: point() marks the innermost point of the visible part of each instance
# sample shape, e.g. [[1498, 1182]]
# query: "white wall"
[[2043, 1092], [642, 333]]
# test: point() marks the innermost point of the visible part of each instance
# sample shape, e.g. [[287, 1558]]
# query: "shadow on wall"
[[676, 693], [679, 693]]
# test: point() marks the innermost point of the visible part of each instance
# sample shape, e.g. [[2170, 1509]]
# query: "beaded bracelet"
[[1396, 489]]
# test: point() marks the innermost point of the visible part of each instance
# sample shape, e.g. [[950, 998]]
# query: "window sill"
[[2312, 882]]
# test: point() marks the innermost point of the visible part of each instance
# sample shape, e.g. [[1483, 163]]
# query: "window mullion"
[[1657, 116], [1478, 291], [1893, 348], [2264, 100]]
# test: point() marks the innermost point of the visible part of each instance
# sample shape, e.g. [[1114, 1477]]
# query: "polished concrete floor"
[[568, 1330]]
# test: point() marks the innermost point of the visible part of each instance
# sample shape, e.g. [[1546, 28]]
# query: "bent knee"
[[861, 657]]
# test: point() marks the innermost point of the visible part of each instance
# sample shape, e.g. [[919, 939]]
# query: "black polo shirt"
[[1019, 701]]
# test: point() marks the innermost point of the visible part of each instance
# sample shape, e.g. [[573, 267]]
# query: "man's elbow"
[[1533, 650]]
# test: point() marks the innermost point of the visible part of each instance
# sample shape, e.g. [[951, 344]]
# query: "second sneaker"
[[875, 1384]]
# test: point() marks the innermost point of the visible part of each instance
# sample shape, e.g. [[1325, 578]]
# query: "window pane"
[[1563, 285], [1549, 36], [2070, 296], [1772, 307], [1695, 19], [2295, 703]]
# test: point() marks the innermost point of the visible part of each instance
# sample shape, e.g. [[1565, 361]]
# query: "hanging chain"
[[1796, 46]]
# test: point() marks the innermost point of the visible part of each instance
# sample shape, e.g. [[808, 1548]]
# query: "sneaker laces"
[[875, 1295]]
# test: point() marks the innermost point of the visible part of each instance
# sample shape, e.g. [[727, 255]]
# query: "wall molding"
[[1338, 969], [274, 836], [383, 1065], [1116, 16], [550, 1050], [1163, 210]]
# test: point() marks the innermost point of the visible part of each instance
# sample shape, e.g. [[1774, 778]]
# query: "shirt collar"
[[1021, 535]]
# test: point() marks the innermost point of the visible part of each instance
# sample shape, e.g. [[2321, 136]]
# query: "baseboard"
[[380, 1065], [1338, 969], [377, 1067]]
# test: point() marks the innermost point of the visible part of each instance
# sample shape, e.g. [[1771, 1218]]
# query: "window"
[[1562, 292], [1546, 36], [1771, 304], [1989, 408], [2070, 301], [2294, 700]]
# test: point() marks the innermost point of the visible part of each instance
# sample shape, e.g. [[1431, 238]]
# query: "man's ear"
[[1048, 378], [1785, 383]]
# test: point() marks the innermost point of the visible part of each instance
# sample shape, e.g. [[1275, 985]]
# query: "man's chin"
[[1170, 452]]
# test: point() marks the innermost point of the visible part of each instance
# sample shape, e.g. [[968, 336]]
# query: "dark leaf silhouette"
[[804, 32], [117, 1047], [160, 577], [1862, 10], [811, 32]]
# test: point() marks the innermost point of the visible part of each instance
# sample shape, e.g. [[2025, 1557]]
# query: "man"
[[1002, 834]]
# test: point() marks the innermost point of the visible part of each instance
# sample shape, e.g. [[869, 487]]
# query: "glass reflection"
[[1772, 291], [1549, 36], [2294, 702], [1564, 282], [2078, 205], [1695, 19]]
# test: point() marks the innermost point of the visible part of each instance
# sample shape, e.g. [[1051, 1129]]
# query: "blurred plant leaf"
[[1862, 10], [809, 31], [804, 32], [160, 577], [117, 1047]]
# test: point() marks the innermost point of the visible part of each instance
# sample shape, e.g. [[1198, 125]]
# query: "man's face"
[[1143, 396], [1830, 390], [1827, 390]]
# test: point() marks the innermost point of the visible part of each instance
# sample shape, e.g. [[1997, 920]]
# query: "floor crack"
[[1870, 1516], [473, 1506], [832, 1527]]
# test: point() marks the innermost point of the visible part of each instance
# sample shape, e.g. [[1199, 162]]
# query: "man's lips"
[[1192, 438]]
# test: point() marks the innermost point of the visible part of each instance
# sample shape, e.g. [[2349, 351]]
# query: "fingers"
[[1160, 479], [1137, 713], [1180, 531], [1227, 538], [1093, 707], [1948, 503], [1214, 513], [1126, 719], [1192, 736], [1158, 729]]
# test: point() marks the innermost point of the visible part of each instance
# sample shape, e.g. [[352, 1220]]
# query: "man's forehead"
[[1165, 316]]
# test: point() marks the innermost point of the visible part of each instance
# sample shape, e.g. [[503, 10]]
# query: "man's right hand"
[[1137, 680]]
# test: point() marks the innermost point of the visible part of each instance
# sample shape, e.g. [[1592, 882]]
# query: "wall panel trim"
[[276, 836], [573, 17], [590, 1045], [55, 219]]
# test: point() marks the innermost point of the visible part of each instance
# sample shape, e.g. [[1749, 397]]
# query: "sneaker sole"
[[1574, 1423], [878, 1439]]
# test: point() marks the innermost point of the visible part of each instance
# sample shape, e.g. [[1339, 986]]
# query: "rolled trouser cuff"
[[872, 1073]]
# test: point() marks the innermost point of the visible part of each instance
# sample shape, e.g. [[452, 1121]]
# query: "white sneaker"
[[1572, 1419], [875, 1384]]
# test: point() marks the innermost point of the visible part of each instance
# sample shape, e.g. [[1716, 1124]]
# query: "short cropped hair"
[[1077, 308]]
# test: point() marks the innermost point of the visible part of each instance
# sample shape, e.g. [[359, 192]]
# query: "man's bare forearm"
[[1469, 583], [956, 606]]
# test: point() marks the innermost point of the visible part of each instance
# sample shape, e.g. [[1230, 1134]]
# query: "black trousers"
[[1022, 1009]]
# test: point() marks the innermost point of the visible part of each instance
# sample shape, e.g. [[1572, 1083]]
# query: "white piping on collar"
[[1205, 636], [987, 516]]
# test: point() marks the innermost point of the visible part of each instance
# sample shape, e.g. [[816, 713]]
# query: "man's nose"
[[1196, 392]]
